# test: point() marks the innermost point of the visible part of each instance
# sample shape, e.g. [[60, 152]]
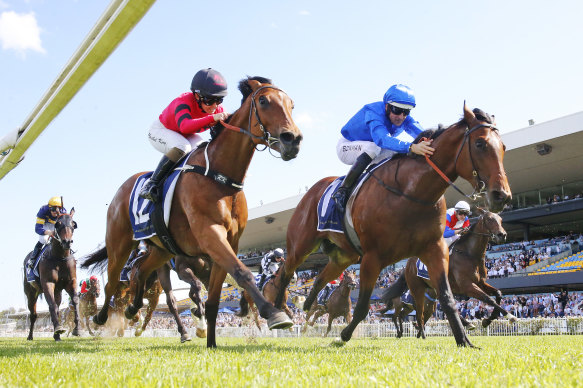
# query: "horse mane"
[[246, 91], [430, 134]]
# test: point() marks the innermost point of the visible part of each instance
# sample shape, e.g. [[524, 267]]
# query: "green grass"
[[305, 362]]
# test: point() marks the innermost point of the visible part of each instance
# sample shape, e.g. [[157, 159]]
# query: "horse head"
[[94, 286], [491, 223], [481, 162], [349, 280], [64, 229], [270, 116]]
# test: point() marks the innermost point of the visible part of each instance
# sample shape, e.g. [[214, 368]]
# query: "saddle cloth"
[[141, 209], [32, 273], [422, 270]]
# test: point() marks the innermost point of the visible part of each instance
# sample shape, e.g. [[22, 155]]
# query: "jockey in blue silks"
[[378, 131]]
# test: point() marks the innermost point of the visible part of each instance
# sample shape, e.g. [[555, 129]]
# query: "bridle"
[[480, 187], [266, 138]]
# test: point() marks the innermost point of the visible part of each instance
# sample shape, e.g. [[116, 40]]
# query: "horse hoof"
[[59, 330], [485, 323], [471, 327], [76, 333], [57, 337], [29, 338], [338, 342], [511, 318], [201, 333], [99, 321], [185, 337], [279, 320], [138, 332], [131, 312]]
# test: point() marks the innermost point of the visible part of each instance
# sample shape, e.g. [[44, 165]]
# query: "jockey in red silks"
[[329, 287], [457, 222], [85, 284]]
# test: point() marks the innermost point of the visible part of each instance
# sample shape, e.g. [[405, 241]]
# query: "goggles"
[[399, 111], [211, 100]]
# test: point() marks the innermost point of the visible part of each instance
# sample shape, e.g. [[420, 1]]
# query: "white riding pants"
[[348, 151], [164, 139]]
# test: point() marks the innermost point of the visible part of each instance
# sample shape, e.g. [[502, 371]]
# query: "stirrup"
[[150, 192], [341, 198]]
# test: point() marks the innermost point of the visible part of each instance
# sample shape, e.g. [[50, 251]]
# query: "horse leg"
[[49, 291], [165, 282], [32, 296], [330, 272], [330, 319], [370, 268], [437, 261], [419, 298], [194, 294], [72, 291], [217, 278], [476, 292]]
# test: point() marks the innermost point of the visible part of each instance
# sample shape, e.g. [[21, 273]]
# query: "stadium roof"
[[560, 142]]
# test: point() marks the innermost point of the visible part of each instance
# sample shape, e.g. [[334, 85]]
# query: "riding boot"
[[151, 190], [341, 195], [35, 253]]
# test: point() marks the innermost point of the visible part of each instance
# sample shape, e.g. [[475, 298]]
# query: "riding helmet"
[[462, 205], [400, 96], [209, 83], [278, 252], [55, 201]]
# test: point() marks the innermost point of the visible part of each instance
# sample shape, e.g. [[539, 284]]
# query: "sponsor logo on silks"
[[354, 147]]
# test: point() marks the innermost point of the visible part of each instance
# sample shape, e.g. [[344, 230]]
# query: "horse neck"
[[429, 185], [475, 241], [344, 290], [231, 152]]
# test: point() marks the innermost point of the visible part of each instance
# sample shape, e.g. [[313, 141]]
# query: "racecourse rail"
[[535, 326]]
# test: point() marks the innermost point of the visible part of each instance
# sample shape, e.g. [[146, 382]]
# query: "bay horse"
[[209, 213], [57, 272], [87, 307], [338, 304], [402, 310], [400, 213], [467, 270], [270, 289]]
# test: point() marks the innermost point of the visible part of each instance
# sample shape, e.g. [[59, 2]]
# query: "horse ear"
[[72, 212], [74, 225], [254, 84], [469, 116]]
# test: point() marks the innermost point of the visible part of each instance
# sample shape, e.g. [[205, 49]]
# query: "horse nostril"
[[286, 138]]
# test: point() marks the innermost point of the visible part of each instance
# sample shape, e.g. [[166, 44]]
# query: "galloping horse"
[[87, 307], [270, 293], [209, 212], [338, 304], [467, 270], [57, 272], [400, 213]]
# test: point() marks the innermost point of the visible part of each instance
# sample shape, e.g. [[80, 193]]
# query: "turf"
[[292, 362]]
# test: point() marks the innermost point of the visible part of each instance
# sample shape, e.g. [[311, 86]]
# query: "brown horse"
[[269, 291], [467, 270], [209, 213], [400, 213], [337, 305], [57, 272], [402, 310], [87, 307]]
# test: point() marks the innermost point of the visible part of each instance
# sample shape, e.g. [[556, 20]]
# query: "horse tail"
[[395, 290], [96, 261], [244, 305]]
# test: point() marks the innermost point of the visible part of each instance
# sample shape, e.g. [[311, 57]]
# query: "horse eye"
[[262, 100], [481, 143]]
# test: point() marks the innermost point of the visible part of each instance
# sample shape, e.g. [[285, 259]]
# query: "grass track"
[[299, 362]]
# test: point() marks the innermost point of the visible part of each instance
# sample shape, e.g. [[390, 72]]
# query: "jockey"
[[85, 284], [270, 265], [175, 132], [378, 131], [457, 222], [47, 214], [330, 287]]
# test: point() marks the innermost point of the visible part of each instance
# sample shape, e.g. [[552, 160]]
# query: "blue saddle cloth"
[[329, 216], [422, 270], [141, 209], [32, 274]]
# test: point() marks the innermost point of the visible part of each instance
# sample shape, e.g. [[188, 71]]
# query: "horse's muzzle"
[[497, 199], [289, 145]]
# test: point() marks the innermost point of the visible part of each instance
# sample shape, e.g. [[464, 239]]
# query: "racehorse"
[[209, 213], [337, 305], [402, 310], [57, 272], [87, 307], [467, 270], [269, 291], [400, 213]]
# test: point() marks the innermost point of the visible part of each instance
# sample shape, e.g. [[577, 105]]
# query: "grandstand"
[[570, 264]]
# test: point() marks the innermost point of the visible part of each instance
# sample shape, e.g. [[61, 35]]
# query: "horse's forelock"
[[483, 116], [246, 89]]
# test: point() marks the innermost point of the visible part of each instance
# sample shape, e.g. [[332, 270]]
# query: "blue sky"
[[519, 60]]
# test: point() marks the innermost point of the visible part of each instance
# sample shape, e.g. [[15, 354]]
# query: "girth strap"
[[217, 176]]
